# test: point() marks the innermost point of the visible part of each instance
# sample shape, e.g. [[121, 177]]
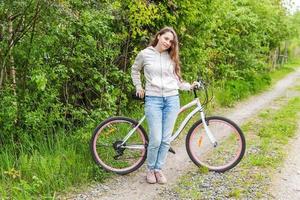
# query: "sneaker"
[[150, 177], [160, 177]]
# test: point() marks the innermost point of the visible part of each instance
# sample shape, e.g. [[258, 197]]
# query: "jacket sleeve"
[[136, 71], [183, 85]]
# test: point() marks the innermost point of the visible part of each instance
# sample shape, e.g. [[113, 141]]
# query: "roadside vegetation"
[[65, 66]]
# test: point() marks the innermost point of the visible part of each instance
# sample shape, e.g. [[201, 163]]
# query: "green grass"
[[274, 131], [294, 63], [227, 93], [235, 193], [279, 74], [284, 70], [46, 170]]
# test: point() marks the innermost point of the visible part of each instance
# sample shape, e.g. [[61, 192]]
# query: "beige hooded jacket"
[[159, 72]]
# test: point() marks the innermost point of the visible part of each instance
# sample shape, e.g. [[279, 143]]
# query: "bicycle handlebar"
[[200, 84]]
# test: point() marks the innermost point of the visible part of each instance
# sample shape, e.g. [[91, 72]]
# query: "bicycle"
[[119, 144]]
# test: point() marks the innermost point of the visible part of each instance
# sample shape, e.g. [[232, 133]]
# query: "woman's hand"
[[140, 93], [194, 85]]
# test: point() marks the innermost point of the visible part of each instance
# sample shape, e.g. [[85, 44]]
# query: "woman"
[[160, 62]]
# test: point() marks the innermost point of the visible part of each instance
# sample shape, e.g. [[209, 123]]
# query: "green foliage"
[[234, 90], [294, 44]]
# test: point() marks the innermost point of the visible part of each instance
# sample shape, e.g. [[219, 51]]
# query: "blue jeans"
[[161, 114]]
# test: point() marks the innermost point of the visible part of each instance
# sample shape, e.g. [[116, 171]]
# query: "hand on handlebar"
[[196, 85]]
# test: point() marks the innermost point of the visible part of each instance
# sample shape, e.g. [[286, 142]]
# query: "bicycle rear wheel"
[[107, 150], [226, 154]]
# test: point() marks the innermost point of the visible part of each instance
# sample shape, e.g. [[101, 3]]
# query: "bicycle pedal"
[[172, 150]]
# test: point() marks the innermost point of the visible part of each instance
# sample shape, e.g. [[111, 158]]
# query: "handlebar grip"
[[134, 96], [198, 84]]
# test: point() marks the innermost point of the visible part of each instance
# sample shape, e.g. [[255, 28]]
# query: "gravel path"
[[286, 183], [133, 186]]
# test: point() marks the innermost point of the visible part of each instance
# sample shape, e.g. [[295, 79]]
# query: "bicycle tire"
[[202, 152], [103, 145]]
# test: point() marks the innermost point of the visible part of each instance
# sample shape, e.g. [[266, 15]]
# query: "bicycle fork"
[[206, 128]]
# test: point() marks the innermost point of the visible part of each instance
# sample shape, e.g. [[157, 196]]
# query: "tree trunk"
[[10, 55], [2, 65], [286, 52], [2, 72], [12, 63]]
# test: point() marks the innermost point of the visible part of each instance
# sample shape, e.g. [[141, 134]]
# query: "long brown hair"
[[173, 50]]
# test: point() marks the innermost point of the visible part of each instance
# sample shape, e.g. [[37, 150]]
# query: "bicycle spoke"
[[104, 145]]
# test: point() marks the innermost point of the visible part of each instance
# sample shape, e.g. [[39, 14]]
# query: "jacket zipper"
[[162, 85]]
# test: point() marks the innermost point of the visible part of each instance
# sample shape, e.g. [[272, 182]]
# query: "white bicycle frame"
[[199, 108]]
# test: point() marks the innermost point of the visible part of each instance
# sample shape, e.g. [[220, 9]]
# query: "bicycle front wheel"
[[111, 152], [219, 157]]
